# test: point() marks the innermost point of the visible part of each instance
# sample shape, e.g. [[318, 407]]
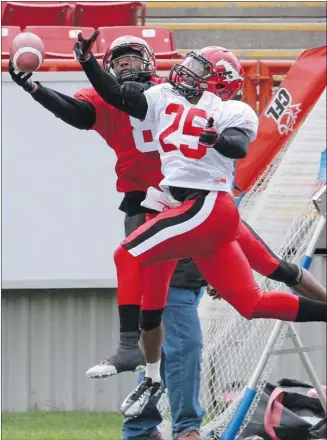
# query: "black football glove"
[[83, 46], [130, 90], [23, 79], [209, 137]]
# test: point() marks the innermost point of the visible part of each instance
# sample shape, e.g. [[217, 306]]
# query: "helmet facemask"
[[135, 60], [197, 75], [188, 78]]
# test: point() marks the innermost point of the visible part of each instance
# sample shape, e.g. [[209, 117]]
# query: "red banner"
[[284, 113]]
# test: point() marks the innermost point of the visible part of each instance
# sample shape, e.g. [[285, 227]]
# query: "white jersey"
[[179, 124]]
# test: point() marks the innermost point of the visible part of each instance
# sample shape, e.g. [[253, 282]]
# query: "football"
[[27, 52]]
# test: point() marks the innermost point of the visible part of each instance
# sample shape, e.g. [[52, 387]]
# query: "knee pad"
[[150, 319], [288, 273]]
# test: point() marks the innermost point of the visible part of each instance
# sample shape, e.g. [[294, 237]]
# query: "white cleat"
[[106, 369], [126, 358], [135, 402]]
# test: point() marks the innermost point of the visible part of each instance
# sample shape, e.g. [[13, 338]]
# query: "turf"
[[61, 426]]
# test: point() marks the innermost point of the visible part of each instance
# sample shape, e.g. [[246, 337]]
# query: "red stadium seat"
[[160, 39], [3, 7], [8, 33], [97, 14], [36, 14], [59, 40]]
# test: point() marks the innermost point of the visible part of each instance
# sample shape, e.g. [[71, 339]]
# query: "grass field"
[[61, 426]]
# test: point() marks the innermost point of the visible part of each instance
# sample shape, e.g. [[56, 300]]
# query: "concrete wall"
[[49, 339], [60, 217]]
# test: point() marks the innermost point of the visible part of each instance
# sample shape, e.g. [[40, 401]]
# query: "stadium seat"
[[59, 40], [8, 33], [160, 39], [98, 14], [36, 14], [3, 7]]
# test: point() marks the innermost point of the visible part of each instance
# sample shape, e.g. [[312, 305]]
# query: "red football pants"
[[261, 258], [206, 230]]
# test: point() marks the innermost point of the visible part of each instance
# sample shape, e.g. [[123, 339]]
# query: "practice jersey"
[[179, 125], [130, 138]]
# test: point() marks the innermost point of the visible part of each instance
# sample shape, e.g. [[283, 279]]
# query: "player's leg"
[[151, 325], [264, 261], [229, 272], [196, 227], [145, 426], [309, 287], [129, 356], [182, 348], [180, 369]]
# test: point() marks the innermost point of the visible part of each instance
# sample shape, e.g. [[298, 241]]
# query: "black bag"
[[286, 412]]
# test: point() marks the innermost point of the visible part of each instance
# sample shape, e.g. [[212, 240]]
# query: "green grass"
[[61, 426]]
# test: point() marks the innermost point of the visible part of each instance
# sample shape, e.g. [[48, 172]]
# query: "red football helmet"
[[212, 69], [137, 52]]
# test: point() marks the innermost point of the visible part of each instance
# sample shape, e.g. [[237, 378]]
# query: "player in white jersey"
[[200, 219], [180, 122]]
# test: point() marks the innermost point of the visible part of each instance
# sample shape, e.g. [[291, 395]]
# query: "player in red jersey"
[[130, 58], [197, 163]]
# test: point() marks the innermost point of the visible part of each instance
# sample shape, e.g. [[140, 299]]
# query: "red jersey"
[[138, 162]]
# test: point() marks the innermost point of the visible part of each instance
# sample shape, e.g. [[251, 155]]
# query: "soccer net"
[[279, 208]]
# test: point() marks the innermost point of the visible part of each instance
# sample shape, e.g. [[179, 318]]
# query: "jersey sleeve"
[[104, 121], [238, 114]]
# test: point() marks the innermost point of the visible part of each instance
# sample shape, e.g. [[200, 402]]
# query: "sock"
[[129, 340], [129, 316], [153, 371], [311, 310]]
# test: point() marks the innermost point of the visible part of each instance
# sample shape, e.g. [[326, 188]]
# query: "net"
[[279, 207]]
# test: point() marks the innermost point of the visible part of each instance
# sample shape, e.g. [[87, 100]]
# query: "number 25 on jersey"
[[188, 129]]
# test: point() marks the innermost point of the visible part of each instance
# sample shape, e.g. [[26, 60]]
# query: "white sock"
[[153, 371]]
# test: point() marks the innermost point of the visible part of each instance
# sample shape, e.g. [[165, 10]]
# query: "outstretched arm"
[[80, 114], [104, 83]]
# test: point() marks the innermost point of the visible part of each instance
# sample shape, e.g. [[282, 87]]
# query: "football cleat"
[[135, 402], [125, 359]]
